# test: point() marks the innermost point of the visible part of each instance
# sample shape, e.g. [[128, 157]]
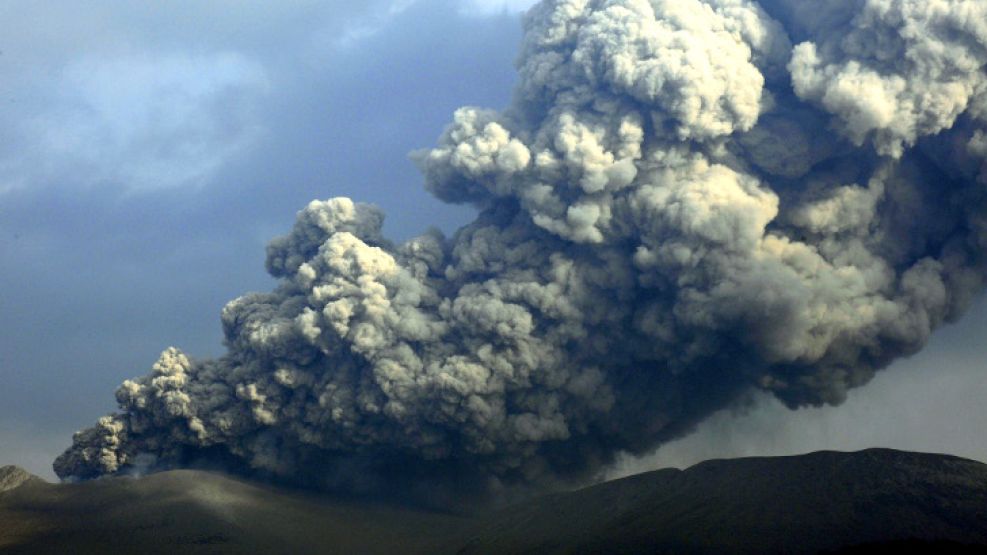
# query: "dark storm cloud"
[[685, 200]]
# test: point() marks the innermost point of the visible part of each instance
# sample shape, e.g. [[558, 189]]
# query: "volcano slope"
[[808, 503], [193, 512], [868, 501]]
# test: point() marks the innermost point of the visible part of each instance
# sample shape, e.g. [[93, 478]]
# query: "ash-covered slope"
[[12, 477], [196, 512], [808, 503]]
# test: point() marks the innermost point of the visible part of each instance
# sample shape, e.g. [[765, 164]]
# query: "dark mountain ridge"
[[826, 501], [808, 503]]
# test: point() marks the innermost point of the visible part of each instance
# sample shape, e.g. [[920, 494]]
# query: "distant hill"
[[877, 500], [12, 477]]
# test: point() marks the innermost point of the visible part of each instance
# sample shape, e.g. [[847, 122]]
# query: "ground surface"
[[810, 503]]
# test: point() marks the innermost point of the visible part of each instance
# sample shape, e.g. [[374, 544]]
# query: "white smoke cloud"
[[900, 71], [685, 201]]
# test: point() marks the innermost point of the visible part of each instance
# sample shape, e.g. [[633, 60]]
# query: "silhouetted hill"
[[807, 503], [877, 500]]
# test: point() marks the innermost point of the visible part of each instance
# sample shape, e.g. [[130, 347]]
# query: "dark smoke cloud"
[[686, 199]]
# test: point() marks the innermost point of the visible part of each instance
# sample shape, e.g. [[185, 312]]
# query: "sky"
[[148, 154]]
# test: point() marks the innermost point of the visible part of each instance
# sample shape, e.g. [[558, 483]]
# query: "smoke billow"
[[685, 200]]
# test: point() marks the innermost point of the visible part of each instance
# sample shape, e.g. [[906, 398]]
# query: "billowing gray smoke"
[[687, 199]]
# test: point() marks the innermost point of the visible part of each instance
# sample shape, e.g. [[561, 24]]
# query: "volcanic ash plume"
[[686, 199]]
